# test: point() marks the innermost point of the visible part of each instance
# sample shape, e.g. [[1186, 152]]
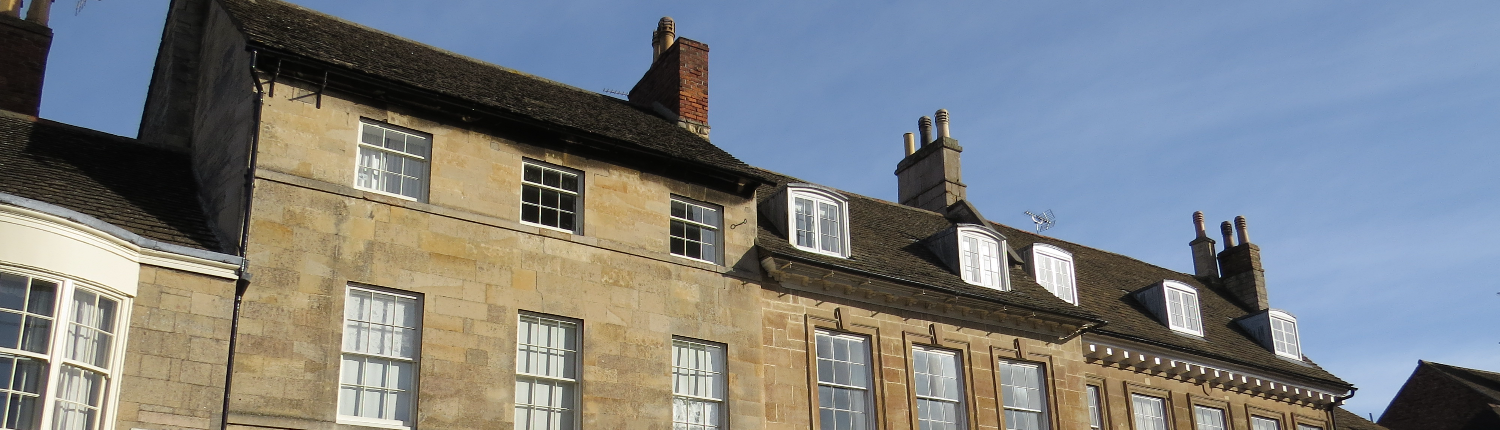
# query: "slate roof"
[[304, 32], [144, 190], [1350, 421], [883, 239], [1483, 382]]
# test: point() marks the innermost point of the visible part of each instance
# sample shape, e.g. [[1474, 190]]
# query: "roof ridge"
[[79, 129], [434, 48]]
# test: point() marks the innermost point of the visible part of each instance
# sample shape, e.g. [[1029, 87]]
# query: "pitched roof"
[[883, 240], [1350, 421], [1485, 383], [144, 190], [285, 27]]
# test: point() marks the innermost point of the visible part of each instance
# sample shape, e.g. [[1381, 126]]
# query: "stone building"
[[424, 240], [1442, 397]]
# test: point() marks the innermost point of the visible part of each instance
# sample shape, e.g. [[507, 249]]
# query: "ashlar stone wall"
[[176, 350], [476, 267]]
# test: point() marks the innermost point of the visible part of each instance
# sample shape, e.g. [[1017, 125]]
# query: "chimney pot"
[[1205, 262], [942, 123], [1239, 224], [1198, 224], [663, 38], [911, 143], [1228, 231], [924, 125], [39, 12]]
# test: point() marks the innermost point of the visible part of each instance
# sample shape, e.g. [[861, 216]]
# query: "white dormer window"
[[981, 261], [1053, 268], [1284, 334], [1182, 308], [819, 221]]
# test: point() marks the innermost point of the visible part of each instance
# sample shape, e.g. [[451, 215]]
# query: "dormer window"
[[1053, 268], [1175, 304], [980, 259], [1276, 330], [1182, 308], [815, 219], [1284, 334]]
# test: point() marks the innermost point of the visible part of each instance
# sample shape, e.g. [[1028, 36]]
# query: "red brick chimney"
[[676, 86], [23, 45]]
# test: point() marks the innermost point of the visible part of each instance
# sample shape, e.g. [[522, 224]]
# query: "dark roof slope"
[[1106, 281], [884, 235], [1483, 382], [297, 30], [883, 241], [1350, 421], [144, 190]]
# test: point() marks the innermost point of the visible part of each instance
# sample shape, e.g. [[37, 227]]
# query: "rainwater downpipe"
[[243, 284], [1333, 418]]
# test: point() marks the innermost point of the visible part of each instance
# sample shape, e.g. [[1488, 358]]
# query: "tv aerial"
[[1044, 220]]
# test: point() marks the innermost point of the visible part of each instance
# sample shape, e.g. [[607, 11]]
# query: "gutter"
[[1333, 418], [1221, 358], [243, 284]]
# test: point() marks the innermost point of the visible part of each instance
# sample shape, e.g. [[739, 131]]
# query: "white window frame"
[[1308, 427], [978, 267], [1096, 406], [1154, 419], [414, 360], [1184, 313], [1289, 348], [1258, 422], [960, 407], [573, 367], [577, 195], [1203, 418], [819, 197], [1008, 386], [692, 353], [56, 356], [1047, 262], [424, 182], [712, 229], [827, 359]]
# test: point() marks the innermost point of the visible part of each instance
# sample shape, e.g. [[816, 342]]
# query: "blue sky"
[[1359, 138]]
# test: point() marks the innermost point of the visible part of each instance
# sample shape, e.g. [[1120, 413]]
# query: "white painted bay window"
[[59, 357], [393, 160], [845, 401], [1053, 268], [1284, 335], [546, 373], [1206, 418], [695, 230], [697, 385], [378, 377], [551, 196], [1024, 393], [1150, 413], [939, 389], [1182, 308], [819, 221], [980, 258]]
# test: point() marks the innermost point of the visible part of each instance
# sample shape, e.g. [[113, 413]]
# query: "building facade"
[[408, 238]]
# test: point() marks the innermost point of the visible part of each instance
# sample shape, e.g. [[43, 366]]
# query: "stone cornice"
[[1156, 361]]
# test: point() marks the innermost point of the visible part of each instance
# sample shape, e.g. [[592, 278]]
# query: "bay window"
[[59, 358]]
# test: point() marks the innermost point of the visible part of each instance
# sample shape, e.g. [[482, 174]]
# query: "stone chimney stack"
[[676, 85], [1240, 266], [1205, 265], [930, 177], [24, 45]]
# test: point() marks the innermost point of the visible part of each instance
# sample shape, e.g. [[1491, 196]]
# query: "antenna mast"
[[1043, 221]]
